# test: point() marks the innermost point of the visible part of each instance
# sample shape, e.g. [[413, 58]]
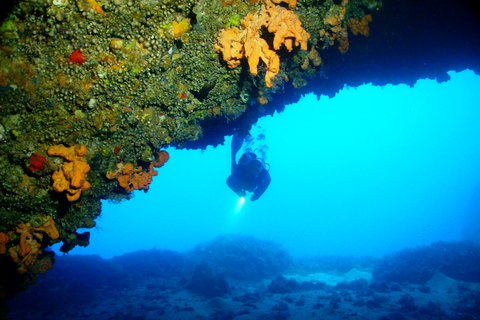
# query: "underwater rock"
[[205, 283], [457, 260], [242, 257], [283, 285], [407, 302], [281, 306], [394, 316]]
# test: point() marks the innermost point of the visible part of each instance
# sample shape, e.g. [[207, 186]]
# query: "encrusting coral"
[[73, 175], [37, 163], [77, 57], [86, 5], [31, 233], [232, 46], [163, 157], [283, 23], [179, 28], [46, 225], [337, 29], [132, 179], [3, 241], [314, 57], [360, 26]]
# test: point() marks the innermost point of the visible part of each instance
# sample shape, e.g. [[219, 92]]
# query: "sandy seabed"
[[352, 295]]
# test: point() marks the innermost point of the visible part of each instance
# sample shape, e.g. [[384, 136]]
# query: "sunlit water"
[[369, 171]]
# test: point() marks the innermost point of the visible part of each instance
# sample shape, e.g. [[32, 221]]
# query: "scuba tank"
[[249, 156], [266, 166]]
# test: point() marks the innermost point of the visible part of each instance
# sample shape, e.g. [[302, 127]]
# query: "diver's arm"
[[235, 185], [234, 162], [262, 186], [237, 142]]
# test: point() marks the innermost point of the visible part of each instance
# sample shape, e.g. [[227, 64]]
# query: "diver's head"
[[246, 158]]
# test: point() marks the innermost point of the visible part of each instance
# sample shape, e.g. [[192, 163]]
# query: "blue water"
[[367, 172]]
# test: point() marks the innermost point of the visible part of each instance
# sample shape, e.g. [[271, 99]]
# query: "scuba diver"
[[249, 174]]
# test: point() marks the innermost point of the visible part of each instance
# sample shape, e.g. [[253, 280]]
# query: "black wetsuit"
[[241, 180]]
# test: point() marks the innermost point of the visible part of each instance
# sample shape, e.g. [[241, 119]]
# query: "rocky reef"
[[91, 91], [242, 257], [160, 284], [457, 260]]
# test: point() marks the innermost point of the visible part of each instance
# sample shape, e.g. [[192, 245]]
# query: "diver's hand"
[[254, 197]]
